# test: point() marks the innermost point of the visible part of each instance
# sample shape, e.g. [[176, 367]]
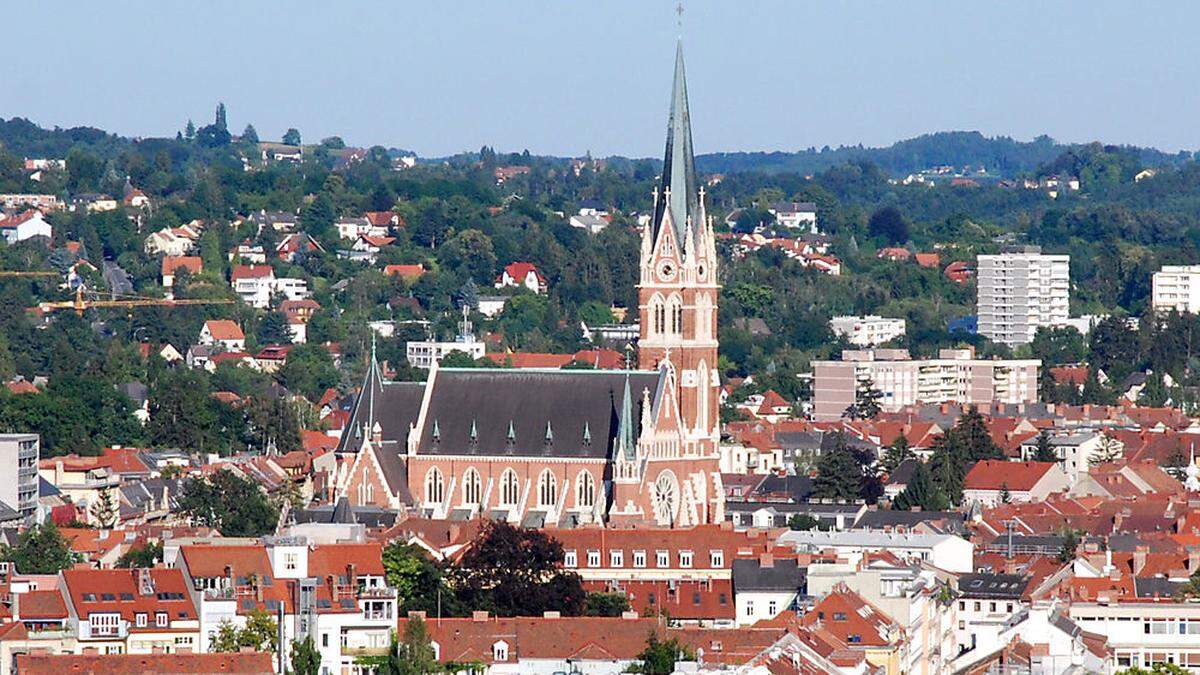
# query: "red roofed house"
[[223, 332], [355, 612], [298, 313], [240, 663], [171, 264], [519, 274], [773, 407], [959, 272], [25, 226], [503, 173], [132, 610], [857, 624], [294, 244], [384, 219], [405, 272], [928, 259], [136, 199], [989, 480], [895, 254]]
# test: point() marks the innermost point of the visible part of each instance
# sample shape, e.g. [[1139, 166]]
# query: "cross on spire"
[[679, 15]]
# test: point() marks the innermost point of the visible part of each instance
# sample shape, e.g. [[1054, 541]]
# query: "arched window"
[[435, 486], [676, 315], [703, 316], [585, 490], [702, 394], [509, 488], [472, 487], [660, 316], [547, 489]]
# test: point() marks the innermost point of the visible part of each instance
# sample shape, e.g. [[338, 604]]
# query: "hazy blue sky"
[[565, 77]]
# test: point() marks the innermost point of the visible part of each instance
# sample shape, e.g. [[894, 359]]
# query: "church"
[[562, 448]]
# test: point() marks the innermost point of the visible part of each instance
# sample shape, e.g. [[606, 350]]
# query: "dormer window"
[[500, 651]]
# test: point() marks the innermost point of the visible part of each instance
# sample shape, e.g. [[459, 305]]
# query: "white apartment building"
[[1143, 633], [944, 551], [867, 331], [956, 376], [425, 353], [1176, 287], [19, 462], [256, 284], [1020, 290]]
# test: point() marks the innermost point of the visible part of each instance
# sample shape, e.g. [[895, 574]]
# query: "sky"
[[565, 77]]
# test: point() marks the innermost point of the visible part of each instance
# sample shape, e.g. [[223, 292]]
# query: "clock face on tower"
[[666, 270]]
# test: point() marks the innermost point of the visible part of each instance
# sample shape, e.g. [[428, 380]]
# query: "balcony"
[[376, 593], [364, 651]]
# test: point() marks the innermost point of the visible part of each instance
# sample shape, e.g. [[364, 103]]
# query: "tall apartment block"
[[956, 376], [1176, 287], [19, 465], [1020, 290]]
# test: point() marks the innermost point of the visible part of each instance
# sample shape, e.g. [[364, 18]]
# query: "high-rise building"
[[1020, 290], [956, 376], [1176, 287], [19, 464]]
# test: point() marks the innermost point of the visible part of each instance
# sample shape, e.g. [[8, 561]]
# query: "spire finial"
[[679, 17]]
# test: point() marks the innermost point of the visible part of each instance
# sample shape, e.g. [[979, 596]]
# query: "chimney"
[[479, 616], [229, 576], [629, 616], [766, 560], [551, 614], [415, 614], [1139, 558], [352, 575]]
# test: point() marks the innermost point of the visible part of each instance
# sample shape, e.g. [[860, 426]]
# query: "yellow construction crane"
[[80, 303]]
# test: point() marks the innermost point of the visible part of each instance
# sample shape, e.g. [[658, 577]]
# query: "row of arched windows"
[[667, 315], [510, 488]]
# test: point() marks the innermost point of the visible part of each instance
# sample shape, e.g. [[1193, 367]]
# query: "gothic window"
[[676, 315], [703, 317], [472, 487], [659, 315], [547, 489], [435, 486], [509, 488], [702, 394], [585, 490]]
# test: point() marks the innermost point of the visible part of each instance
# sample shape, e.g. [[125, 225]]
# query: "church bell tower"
[[677, 289]]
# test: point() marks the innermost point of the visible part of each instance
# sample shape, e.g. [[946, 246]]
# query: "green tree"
[[1156, 669], [805, 522], [471, 254], [235, 506], [839, 475], [250, 134], [1070, 544], [259, 634], [41, 549], [189, 131], [921, 492], [1045, 451], [274, 329], [306, 660], [291, 137], [660, 656], [309, 370], [418, 580], [605, 604], [896, 454], [147, 555], [888, 225], [1005, 495], [1057, 346], [415, 651]]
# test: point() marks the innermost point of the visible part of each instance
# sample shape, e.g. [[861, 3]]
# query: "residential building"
[[131, 611], [255, 284], [12, 201], [353, 228], [171, 241], [1020, 290], [295, 244], [764, 587], [986, 603], [956, 376], [867, 331], [299, 313], [171, 266], [333, 593], [796, 216], [19, 455], [424, 353], [944, 551], [1176, 287], [223, 332], [518, 274], [994, 481], [1077, 450], [25, 226]]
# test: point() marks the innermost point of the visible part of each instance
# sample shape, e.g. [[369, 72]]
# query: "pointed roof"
[[625, 443], [679, 165]]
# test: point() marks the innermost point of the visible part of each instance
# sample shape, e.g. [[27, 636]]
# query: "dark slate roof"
[[799, 440], [878, 519], [782, 575], [393, 404], [8, 513], [798, 488], [903, 472], [369, 516], [135, 391], [116, 278], [1151, 587], [679, 168], [525, 401], [47, 489], [1005, 586]]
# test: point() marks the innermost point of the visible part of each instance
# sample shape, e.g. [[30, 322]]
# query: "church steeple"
[[677, 190]]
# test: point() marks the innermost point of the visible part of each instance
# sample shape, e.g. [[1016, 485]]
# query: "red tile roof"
[[172, 263], [144, 664], [317, 440], [928, 259], [21, 387], [1075, 375], [853, 620], [209, 561], [686, 600], [41, 605], [224, 329], [894, 253], [252, 272], [383, 218], [995, 474], [377, 241], [519, 271], [117, 591], [407, 272]]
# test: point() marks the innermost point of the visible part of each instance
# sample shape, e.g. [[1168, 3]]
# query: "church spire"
[[677, 190], [625, 435]]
